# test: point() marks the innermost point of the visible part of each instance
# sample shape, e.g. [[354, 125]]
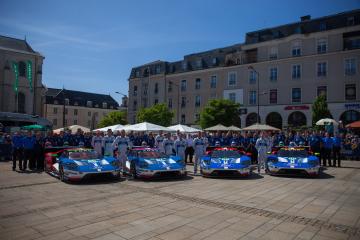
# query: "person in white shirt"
[[107, 143], [96, 142], [168, 144], [159, 142], [200, 148], [180, 146], [262, 145], [123, 143]]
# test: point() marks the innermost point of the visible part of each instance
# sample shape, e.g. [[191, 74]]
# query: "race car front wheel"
[[61, 174], [133, 170]]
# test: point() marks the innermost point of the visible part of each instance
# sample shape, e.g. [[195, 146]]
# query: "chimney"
[[305, 18]]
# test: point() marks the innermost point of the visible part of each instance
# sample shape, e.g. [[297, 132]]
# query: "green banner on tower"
[[29, 74], [15, 67]]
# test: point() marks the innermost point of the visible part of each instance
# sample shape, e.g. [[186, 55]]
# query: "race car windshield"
[[292, 153], [152, 154], [83, 155], [225, 154]]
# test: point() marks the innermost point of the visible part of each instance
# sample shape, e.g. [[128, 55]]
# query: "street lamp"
[[124, 97], [178, 100], [121, 94], [258, 93]]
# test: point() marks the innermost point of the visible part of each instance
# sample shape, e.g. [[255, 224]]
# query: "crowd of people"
[[27, 148]]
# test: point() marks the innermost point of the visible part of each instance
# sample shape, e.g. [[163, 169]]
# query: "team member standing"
[[39, 151], [159, 142], [29, 142], [336, 149], [262, 146], [327, 145], [123, 143], [189, 151], [180, 146], [107, 143], [200, 148], [168, 144], [96, 143], [17, 147]]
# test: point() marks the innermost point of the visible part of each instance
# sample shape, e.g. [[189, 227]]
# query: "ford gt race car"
[[77, 163], [225, 161], [144, 162], [293, 160]]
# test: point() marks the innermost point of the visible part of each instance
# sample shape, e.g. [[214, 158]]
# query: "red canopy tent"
[[354, 125]]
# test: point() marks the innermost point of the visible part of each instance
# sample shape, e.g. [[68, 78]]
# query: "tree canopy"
[[320, 109], [221, 111], [158, 114], [112, 118]]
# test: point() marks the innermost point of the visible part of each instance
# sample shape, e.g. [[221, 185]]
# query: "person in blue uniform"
[[336, 150], [314, 142], [17, 149], [327, 142], [39, 152], [29, 143]]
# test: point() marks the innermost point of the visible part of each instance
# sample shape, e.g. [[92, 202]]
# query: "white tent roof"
[[325, 121], [73, 129], [184, 128], [218, 127], [260, 127], [113, 128], [233, 128], [145, 126]]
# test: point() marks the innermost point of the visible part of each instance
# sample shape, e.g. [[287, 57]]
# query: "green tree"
[[320, 109], [157, 114], [221, 111], [112, 118]]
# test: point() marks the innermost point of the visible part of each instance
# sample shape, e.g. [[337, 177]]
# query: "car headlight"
[[237, 160], [280, 159], [304, 160]]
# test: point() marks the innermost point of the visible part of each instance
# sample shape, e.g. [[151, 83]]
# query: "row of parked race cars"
[[75, 164]]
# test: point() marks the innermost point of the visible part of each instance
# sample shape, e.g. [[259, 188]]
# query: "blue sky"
[[91, 45]]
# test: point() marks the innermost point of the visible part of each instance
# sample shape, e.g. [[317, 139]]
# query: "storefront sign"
[[352, 105], [302, 107]]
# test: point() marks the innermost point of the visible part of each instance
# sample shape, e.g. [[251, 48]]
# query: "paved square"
[[38, 206]]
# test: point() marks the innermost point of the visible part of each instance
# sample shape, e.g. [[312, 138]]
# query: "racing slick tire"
[[61, 174], [133, 170]]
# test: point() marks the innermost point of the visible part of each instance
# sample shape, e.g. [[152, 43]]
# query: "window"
[[55, 122], [22, 69], [350, 66], [75, 112], [134, 105], [321, 69], [182, 119], [89, 123], [273, 74], [197, 83], [232, 97], [21, 102], [214, 61], [67, 101], [273, 52], [89, 103], [252, 97], [350, 92], [296, 71], [273, 96], [89, 114], [55, 110], [156, 88], [252, 77], [322, 46], [322, 26], [199, 63], [213, 81], [197, 101], [157, 69], [156, 101], [296, 49], [170, 87], [184, 65], [183, 85], [137, 73], [135, 90], [146, 86], [170, 103], [296, 95], [322, 91], [183, 102], [104, 105], [232, 79], [350, 21], [75, 122]]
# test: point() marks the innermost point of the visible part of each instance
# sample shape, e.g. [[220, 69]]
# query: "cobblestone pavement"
[[38, 206]]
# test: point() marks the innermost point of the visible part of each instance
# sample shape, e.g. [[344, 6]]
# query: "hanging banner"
[[29, 74], [15, 67]]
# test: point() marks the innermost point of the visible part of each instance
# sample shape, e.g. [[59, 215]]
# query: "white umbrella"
[[260, 127], [325, 121], [184, 128], [218, 127], [146, 127], [74, 128], [233, 128]]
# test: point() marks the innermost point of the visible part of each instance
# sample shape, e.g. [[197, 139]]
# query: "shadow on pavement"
[[322, 175], [253, 176], [174, 179], [98, 180]]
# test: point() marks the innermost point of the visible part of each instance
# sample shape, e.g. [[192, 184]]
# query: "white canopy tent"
[[218, 127], [233, 128], [184, 128], [73, 128], [146, 127], [325, 121], [113, 128], [260, 127]]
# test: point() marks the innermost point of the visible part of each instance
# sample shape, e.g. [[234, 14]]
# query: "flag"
[[29, 74], [15, 67]]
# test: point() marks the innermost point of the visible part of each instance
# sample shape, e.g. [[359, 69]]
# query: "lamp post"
[[258, 93], [178, 100]]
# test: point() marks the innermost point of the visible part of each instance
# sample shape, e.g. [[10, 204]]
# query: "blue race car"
[[144, 162], [225, 161], [76, 164], [293, 160]]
